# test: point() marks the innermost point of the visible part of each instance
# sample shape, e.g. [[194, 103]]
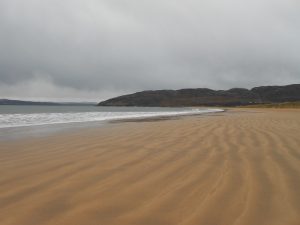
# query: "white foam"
[[34, 119]]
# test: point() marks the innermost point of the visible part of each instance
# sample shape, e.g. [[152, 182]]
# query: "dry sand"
[[237, 168]]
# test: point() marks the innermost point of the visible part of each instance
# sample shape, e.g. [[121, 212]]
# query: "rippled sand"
[[236, 168]]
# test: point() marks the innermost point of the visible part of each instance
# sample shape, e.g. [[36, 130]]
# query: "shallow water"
[[20, 116], [37, 121]]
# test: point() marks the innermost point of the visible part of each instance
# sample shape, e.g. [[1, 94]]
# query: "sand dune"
[[241, 167]]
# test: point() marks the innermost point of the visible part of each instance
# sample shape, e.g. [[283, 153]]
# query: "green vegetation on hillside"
[[266, 96]]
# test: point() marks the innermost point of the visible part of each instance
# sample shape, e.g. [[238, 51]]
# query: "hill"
[[19, 102], [209, 97]]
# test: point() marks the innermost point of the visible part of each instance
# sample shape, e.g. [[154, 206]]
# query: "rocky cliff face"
[[208, 97]]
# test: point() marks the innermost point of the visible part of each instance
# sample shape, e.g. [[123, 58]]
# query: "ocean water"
[[27, 116]]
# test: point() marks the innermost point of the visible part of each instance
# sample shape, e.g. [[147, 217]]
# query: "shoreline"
[[44, 130], [238, 167]]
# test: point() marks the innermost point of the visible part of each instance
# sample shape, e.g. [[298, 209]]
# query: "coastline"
[[43, 130], [238, 167]]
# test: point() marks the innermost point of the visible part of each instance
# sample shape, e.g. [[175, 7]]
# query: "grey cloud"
[[109, 47]]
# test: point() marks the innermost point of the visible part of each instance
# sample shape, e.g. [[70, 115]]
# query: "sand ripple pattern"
[[236, 168]]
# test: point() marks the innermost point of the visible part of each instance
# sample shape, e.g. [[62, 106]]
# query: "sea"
[[30, 119]]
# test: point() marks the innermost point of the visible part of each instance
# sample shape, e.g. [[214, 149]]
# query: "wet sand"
[[240, 167]]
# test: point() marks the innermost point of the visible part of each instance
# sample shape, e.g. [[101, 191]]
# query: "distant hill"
[[19, 102], [208, 97]]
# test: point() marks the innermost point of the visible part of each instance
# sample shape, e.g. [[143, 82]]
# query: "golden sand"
[[241, 167]]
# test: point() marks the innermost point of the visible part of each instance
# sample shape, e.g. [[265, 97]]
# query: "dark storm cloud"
[[97, 49]]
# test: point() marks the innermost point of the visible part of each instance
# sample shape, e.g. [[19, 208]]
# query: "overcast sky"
[[96, 49]]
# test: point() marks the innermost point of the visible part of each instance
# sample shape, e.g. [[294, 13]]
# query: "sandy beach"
[[241, 167]]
